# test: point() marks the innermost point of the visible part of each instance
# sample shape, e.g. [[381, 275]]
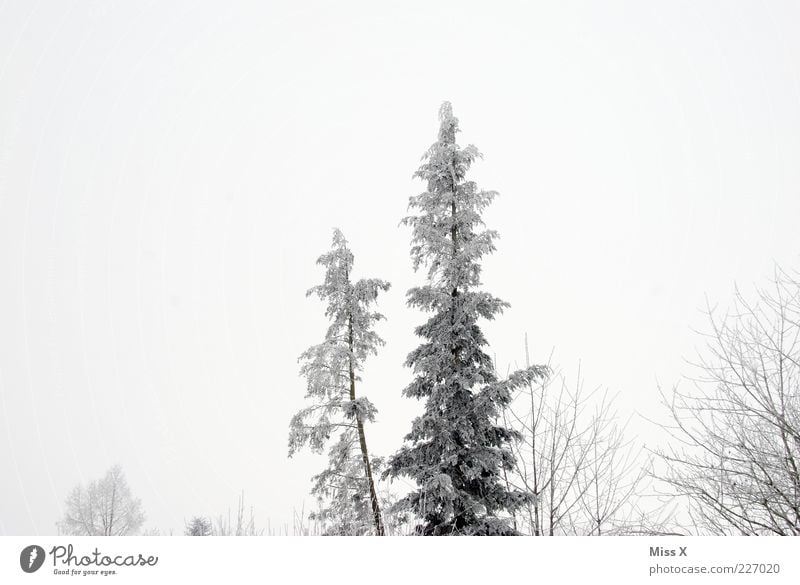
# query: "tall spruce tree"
[[456, 451], [347, 486]]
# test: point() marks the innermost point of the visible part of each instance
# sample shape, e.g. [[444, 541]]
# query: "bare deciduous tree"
[[105, 507], [241, 526], [739, 429], [581, 474]]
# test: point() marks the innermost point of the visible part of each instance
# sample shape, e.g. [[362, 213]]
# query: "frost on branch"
[[456, 452], [346, 488]]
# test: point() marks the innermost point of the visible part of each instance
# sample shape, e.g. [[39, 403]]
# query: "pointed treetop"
[[338, 263], [338, 238], [449, 124]]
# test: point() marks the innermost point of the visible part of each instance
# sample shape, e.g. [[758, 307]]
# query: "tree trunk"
[[362, 440], [454, 237]]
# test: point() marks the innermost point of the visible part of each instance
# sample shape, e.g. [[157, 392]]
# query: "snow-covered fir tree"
[[457, 451], [346, 488]]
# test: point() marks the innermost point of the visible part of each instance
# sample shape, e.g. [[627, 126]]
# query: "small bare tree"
[[105, 507], [243, 525], [738, 432], [581, 475]]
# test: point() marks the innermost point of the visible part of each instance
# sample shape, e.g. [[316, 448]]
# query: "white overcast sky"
[[169, 172]]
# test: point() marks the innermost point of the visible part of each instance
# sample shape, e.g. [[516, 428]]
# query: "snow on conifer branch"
[[331, 371], [456, 452]]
